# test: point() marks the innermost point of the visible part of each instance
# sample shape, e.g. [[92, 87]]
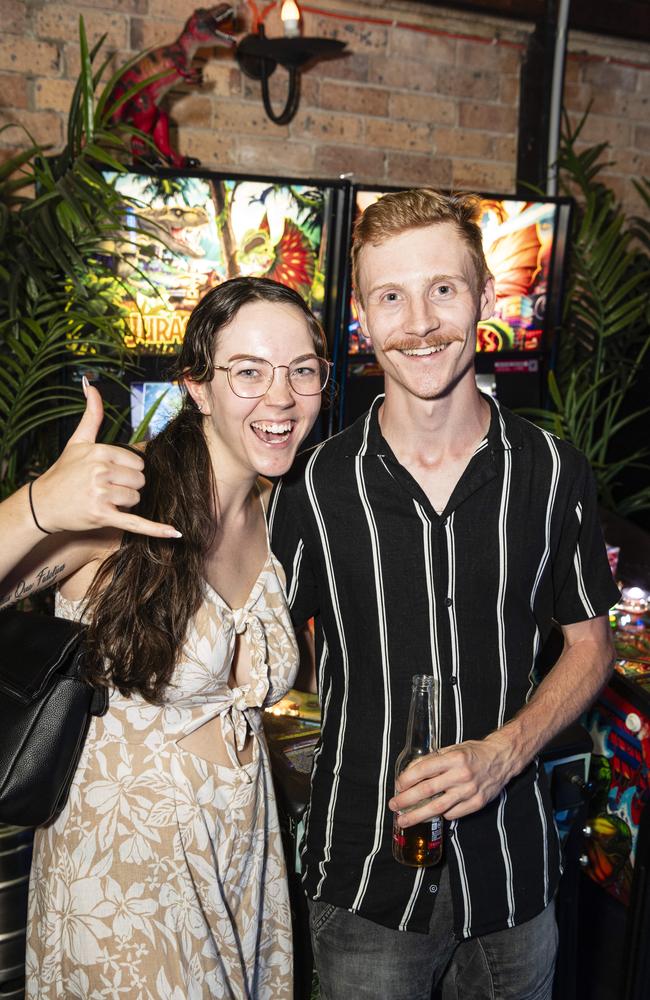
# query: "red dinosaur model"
[[143, 110]]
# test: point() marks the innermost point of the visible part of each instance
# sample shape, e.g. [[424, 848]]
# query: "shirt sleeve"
[[583, 582], [288, 543]]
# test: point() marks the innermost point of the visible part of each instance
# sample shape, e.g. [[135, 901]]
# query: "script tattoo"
[[43, 578]]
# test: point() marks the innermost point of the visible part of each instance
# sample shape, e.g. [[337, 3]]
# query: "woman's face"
[[260, 435]]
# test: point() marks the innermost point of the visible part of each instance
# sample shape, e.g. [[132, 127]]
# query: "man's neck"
[[434, 439]]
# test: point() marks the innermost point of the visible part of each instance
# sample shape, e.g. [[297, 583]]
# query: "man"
[[439, 534]]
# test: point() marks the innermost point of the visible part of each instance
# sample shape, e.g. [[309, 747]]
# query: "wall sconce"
[[258, 57]]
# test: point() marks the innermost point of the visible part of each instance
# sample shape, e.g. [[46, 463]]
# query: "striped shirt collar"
[[503, 433]]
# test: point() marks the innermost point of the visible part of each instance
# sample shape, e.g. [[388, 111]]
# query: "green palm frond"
[[605, 336], [59, 299]]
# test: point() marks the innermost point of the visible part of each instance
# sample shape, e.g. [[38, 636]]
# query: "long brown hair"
[[146, 592]]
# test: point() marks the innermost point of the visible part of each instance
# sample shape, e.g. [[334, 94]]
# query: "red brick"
[[612, 77], [191, 110], [494, 57], [422, 46], [120, 6], [462, 82], [365, 165], [207, 146], [13, 91], [632, 107], [221, 79], [30, 57], [642, 137], [509, 87], [634, 162], [246, 117], [577, 96], [604, 128], [353, 66], [7, 152], [13, 16], [310, 87], [462, 142], [275, 156], [360, 37], [53, 95], [423, 108], [573, 68], [363, 100], [44, 127], [485, 178], [626, 193], [404, 75], [490, 117], [146, 33], [430, 171], [178, 10], [397, 135], [505, 148], [326, 125], [61, 23]]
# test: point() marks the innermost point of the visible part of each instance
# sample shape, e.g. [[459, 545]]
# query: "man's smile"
[[422, 352]]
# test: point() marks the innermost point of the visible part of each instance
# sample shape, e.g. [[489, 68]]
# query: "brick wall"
[[425, 96]]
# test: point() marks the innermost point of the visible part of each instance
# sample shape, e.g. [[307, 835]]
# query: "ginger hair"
[[398, 211]]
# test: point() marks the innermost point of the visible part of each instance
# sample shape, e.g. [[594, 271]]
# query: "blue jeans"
[[357, 959]]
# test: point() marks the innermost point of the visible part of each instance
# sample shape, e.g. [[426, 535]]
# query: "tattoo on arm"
[[43, 578]]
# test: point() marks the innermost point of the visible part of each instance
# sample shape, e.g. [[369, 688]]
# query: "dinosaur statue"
[[143, 110]]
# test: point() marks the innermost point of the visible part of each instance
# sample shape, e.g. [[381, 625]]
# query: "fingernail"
[[84, 385], [175, 534]]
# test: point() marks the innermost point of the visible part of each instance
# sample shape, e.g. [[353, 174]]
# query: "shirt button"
[[454, 679], [448, 602]]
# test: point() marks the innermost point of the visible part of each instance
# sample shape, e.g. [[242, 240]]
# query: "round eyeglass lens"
[[252, 377], [308, 376]]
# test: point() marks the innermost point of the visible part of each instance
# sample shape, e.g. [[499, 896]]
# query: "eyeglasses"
[[253, 377]]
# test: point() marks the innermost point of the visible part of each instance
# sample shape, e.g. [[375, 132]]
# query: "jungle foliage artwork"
[[184, 235]]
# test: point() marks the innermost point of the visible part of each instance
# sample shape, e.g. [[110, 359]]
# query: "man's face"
[[420, 309]]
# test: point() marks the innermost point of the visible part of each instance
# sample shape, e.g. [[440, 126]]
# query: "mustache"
[[402, 343]]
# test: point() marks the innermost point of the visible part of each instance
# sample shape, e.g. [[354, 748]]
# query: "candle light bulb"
[[290, 15]]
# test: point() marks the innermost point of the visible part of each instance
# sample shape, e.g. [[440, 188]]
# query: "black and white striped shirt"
[[467, 595]]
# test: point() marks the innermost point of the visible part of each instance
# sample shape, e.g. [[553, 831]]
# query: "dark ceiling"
[[621, 18]]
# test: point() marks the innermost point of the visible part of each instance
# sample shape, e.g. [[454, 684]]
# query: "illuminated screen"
[[143, 395], [211, 230], [518, 243]]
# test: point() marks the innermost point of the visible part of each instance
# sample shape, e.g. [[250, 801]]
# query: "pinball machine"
[[613, 957]]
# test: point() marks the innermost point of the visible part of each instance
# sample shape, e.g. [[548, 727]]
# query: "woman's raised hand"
[[90, 483]]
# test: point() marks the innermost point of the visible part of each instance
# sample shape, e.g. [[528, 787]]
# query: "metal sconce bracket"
[[258, 57]]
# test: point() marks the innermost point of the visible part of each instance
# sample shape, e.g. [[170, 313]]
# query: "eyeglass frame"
[[303, 357]]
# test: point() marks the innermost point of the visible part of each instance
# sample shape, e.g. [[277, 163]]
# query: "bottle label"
[[434, 833]]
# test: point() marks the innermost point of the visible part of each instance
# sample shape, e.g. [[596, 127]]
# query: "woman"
[[164, 877]]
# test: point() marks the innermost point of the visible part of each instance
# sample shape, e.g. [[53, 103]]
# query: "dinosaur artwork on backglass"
[[185, 234]]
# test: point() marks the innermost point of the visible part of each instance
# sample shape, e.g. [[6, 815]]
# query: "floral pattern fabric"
[[164, 877]]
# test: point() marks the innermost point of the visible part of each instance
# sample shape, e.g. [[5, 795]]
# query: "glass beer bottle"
[[419, 845]]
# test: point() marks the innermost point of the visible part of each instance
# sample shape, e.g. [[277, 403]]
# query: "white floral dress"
[[164, 877]]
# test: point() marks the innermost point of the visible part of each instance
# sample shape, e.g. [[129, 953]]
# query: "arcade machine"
[[615, 912], [525, 245], [189, 230]]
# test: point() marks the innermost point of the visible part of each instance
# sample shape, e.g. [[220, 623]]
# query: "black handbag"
[[45, 710]]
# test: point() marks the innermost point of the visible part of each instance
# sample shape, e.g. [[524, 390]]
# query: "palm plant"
[[58, 295], [605, 335]]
